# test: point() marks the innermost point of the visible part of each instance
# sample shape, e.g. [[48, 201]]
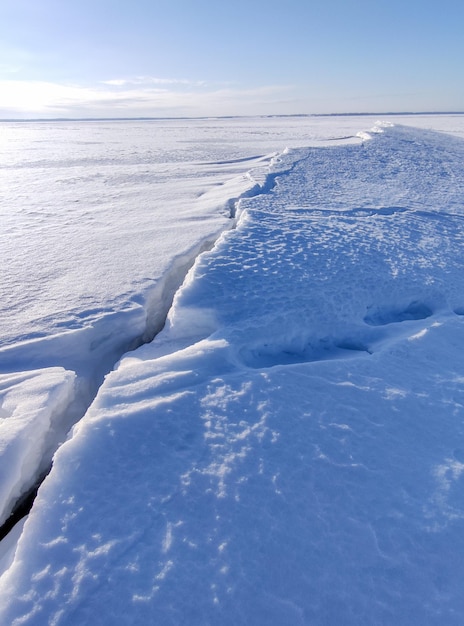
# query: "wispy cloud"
[[9, 69], [151, 80], [135, 97]]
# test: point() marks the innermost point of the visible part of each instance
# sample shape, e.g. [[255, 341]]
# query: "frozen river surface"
[[287, 449]]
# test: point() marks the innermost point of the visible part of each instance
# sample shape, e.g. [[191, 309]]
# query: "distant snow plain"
[[289, 448]]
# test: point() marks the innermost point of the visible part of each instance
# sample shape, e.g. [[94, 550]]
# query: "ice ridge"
[[229, 473], [65, 370]]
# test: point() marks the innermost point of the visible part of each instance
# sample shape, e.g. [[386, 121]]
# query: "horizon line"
[[223, 117]]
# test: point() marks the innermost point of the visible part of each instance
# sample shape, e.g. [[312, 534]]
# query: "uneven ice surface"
[[100, 223], [289, 449], [31, 404]]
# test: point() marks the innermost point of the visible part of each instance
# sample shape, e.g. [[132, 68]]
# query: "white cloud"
[[6, 68], [150, 80], [117, 82], [137, 97]]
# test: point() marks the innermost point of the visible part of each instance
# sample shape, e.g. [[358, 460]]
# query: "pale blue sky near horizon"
[[99, 58]]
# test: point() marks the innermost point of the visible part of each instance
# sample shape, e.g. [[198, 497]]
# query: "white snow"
[[100, 223], [8, 545], [31, 408], [288, 450]]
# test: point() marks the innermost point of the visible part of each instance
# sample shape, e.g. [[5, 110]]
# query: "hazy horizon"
[[219, 117]]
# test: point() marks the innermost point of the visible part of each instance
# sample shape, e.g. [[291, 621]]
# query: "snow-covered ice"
[[100, 223], [288, 450], [30, 403]]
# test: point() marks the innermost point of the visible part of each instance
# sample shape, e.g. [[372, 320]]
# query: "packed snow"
[[288, 449]]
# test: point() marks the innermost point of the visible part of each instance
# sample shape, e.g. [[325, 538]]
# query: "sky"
[[158, 58]]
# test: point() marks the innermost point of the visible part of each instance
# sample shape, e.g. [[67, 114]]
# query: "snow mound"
[[376, 129]]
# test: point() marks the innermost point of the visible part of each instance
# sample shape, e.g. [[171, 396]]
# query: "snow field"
[[288, 450], [87, 342], [101, 222]]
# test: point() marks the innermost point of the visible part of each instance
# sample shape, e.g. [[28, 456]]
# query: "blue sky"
[[93, 58]]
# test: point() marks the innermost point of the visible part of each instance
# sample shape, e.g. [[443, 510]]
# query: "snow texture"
[[100, 224], [289, 449], [30, 403], [101, 221]]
